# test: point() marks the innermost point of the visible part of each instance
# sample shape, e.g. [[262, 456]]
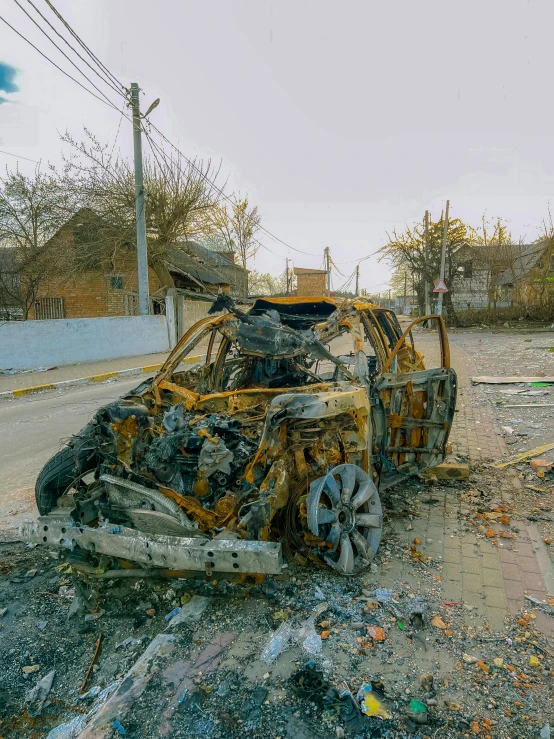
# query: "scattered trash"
[[376, 633], [189, 613], [540, 466], [278, 643], [28, 669], [41, 625], [540, 605], [370, 704], [130, 642], [438, 623], [95, 656], [452, 706], [417, 712], [119, 728], [427, 682], [38, 695], [3, 612], [545, 732]]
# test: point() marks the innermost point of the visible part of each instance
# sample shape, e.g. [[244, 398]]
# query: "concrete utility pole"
[[328, 269], [287, 288], [142, 254], [426, 261], [443, 254], [357, 278]]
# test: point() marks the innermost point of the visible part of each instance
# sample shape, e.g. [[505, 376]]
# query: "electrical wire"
[[107, 101], [57, 66], [60, 50], [20, 157], [227, 197], [84, 46], [74, 50]]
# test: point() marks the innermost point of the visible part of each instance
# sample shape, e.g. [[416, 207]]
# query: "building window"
[[116, 282], [468, 270]]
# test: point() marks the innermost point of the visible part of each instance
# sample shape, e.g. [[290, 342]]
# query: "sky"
[[342, 119]]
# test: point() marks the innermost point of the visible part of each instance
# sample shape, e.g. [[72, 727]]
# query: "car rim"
[[344, 509]]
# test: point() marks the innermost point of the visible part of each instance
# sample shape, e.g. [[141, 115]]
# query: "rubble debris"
[[509, 380], [540, 466], [525, 455], [95, 656], [28, 669], [451, 471]]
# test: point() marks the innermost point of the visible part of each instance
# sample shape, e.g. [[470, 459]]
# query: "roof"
[[181, 261], [525, 257], [308, 271]]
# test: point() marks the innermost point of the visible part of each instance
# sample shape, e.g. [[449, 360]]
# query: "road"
[[32, 429]]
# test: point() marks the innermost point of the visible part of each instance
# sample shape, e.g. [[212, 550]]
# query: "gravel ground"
[[238, 695]]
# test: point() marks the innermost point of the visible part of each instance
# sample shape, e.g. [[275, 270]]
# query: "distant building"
[[502, 276], [310, 282]]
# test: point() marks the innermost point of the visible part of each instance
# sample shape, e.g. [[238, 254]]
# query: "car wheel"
[[345, 510], [60, 471]]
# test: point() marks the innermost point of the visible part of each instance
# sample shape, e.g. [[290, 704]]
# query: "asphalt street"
[[32, 429]]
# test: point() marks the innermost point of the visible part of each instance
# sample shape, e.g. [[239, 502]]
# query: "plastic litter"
[[119, 728], [417, 712], [39, 694], [545, 732], [305, 635], [370, 704], [172, 613], [69, 730], [278, 643]]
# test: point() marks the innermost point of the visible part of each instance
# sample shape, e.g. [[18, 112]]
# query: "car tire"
[[60, 471]]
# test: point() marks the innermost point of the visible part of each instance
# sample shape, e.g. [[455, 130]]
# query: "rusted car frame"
[[282, 436]]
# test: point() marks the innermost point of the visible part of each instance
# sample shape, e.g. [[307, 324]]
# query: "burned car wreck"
[[302, 411]]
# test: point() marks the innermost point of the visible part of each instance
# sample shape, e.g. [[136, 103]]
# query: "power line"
[[84, 46], [224, 195], [60, 50], [74, 50], [18, 156], [56, 65]]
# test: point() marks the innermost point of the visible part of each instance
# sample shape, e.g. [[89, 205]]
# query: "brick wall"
[[93, 294], [311, 284]]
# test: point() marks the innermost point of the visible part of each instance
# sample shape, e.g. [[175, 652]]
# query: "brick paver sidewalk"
[[491, 580]]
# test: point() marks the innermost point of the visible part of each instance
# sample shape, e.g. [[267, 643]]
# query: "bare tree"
[[265, 284], [406, 252], [32, 209], [238, 223], [180, 198]]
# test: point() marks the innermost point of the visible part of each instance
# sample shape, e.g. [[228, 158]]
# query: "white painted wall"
[[31, 344]]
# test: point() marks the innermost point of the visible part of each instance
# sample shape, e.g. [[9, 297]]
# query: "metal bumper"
[[157, 550]]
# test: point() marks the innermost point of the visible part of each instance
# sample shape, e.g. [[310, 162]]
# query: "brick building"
[[79, 287], [310, 282]]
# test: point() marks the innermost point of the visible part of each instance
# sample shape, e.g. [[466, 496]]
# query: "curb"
[[63, 384]]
